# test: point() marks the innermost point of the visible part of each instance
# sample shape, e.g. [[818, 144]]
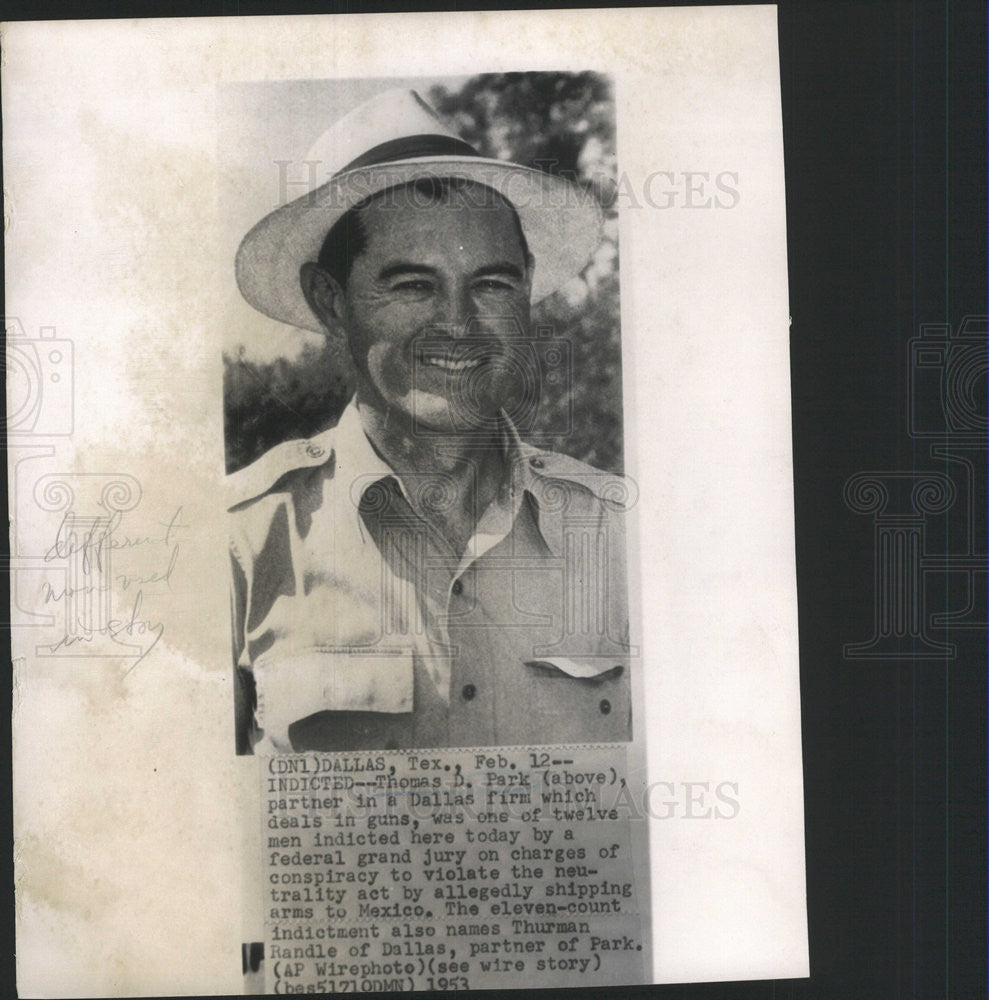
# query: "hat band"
[[411, 146]]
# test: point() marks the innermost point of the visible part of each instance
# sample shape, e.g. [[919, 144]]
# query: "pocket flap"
[[594, 669], [294, 687]]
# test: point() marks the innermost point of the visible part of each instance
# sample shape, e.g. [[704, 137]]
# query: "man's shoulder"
[[274, 470], [553, 470]]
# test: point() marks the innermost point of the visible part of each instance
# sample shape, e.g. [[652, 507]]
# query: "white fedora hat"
[[393, 139]]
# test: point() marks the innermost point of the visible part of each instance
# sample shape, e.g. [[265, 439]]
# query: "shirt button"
[[605, 706], [536, 463], [468, 692], [457, 588], [314, 451]]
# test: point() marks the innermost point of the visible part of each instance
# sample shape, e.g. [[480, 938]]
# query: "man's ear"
[[325, 296]]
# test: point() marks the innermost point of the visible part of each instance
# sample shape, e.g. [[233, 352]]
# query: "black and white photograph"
[[427, 506]]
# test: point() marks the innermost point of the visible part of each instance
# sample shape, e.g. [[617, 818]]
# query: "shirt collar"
[[358, 466], [357, 460]]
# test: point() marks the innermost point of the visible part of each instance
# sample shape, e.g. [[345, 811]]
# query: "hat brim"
[[561, 222]]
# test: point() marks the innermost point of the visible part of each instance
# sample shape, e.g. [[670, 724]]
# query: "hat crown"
[[384, 119]]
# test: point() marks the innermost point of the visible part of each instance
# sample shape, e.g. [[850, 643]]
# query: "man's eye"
[[494, 285], [417, 285]]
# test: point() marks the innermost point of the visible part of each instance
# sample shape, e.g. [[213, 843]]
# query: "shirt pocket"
[[580, 699], [291, 688]]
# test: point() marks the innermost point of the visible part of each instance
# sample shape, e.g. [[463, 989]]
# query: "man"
[[417, 576]]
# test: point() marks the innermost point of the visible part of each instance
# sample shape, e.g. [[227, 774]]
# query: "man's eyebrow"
[[512, 270], [403, 268], [501, 267]]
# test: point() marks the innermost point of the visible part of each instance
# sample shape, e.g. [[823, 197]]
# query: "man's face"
[[431, 306]]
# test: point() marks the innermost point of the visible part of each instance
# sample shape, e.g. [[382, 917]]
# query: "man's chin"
[[434, 414]]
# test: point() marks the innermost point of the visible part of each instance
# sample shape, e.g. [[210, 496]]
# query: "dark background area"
[[884, 130]]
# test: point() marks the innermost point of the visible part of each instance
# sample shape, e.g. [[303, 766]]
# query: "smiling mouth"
[[443, 361]]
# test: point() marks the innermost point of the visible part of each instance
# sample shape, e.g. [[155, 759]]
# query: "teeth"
[[446, 364]]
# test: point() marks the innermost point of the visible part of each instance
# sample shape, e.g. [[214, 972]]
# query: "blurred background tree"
[[562, 123]]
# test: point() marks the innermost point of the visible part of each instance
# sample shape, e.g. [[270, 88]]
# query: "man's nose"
[[457, 312]]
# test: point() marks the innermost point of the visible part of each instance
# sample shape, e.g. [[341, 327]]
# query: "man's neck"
[[471, 467]]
